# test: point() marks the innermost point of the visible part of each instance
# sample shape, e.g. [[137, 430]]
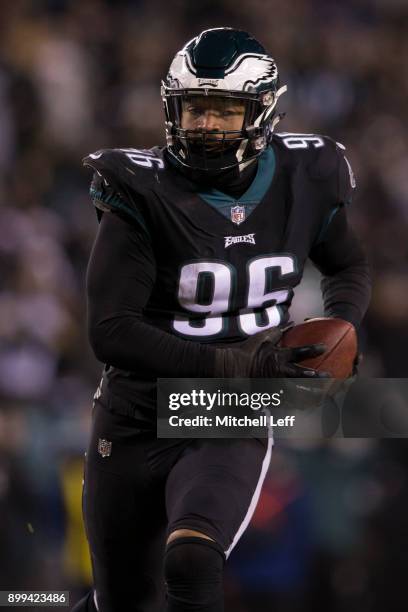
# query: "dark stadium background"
[[331, 530]]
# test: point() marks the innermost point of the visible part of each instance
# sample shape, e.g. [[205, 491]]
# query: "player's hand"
[[275, 362], [260, 357]]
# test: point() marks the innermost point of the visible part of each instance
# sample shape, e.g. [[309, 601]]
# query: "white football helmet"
[[221, 64]]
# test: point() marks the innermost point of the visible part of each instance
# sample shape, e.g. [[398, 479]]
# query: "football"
[[338, 335]]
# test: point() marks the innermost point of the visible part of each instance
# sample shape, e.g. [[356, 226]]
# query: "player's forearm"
[[128, 343], [120, 278], [347, 293], [346, 283]]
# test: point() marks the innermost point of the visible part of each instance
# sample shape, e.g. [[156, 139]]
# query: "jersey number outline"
[[301, 141], [143, 159], [221, 277]]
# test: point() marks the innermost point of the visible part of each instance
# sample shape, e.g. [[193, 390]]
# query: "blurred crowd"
[[79, 75]]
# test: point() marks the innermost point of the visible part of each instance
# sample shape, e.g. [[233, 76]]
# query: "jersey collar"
[[255, 193]]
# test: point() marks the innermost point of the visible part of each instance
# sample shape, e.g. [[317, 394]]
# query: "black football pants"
[[139, 489]]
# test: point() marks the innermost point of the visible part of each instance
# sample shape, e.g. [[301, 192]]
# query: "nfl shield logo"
[[104, 447], [237, 214]]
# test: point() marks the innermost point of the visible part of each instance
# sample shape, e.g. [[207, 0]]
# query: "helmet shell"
[[225, 59]]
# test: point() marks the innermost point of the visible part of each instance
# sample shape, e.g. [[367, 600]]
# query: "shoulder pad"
[[121, 177], [316, 152], [123, 166], [347, 181], [322, 157]]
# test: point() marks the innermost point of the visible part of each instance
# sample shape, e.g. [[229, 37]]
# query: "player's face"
[[206, 113]]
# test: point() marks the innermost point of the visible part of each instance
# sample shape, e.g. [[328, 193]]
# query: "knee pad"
[[193, 568], [86, 604]]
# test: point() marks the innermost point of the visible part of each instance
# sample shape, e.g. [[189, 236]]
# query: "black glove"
[[259, 357]]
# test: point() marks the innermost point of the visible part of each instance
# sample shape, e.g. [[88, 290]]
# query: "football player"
[[200, 246]]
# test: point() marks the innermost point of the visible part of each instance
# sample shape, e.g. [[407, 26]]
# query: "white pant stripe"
[[255, 497]]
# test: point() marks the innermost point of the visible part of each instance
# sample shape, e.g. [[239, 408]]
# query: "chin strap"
[[241, 150], [244, 165]]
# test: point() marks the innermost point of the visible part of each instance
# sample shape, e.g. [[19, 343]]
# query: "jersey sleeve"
[[345, 177], [346, 282], [120, 278], [343, 185], [107, 199], [109, 192]]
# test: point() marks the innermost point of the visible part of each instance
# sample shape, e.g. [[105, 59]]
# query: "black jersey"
[[224, 268]]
